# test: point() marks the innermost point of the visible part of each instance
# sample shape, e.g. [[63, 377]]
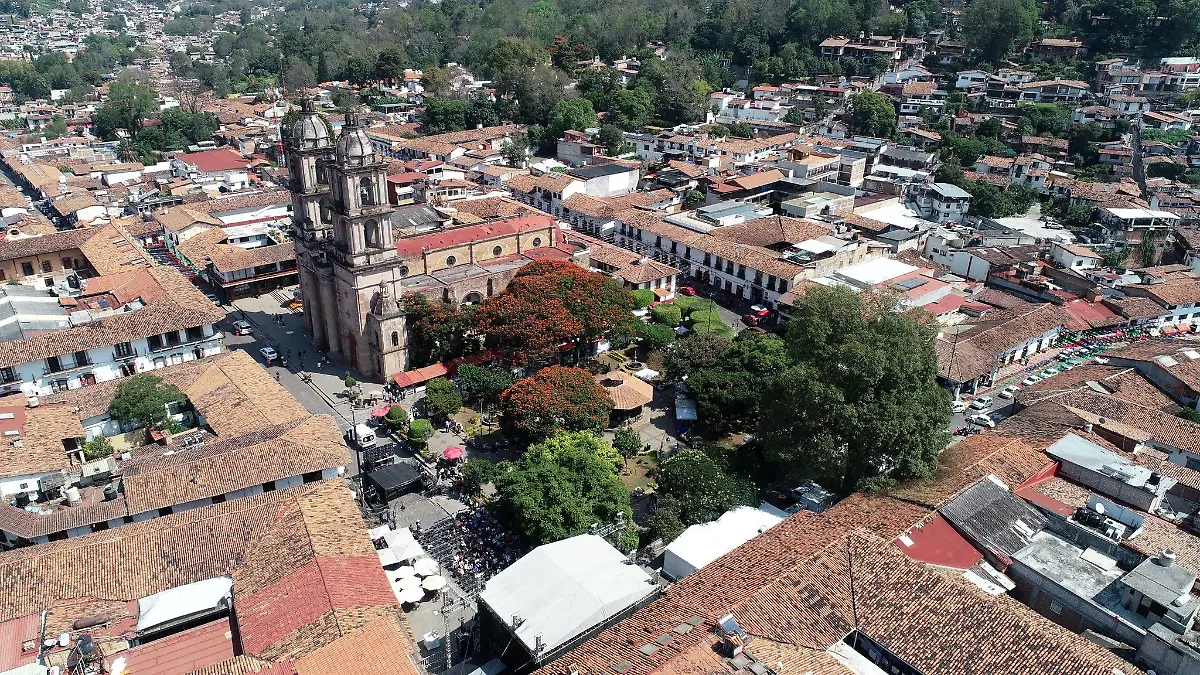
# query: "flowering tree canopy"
[[552, 302], [556, 398]]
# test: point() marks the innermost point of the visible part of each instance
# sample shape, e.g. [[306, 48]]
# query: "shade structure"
[[381, 411], [406, 571], [387, 557], [413, 594], [434, 583], [425, 567], [453, 453]]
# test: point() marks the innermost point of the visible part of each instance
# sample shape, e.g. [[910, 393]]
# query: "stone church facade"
[[355, 263]]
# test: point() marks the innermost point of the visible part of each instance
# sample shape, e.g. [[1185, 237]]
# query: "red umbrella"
[[381, 411], [453, 453]]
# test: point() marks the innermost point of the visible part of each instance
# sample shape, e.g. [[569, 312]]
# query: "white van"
[[362, 435]]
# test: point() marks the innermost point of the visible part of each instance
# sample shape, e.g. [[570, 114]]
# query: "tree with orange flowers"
[[556, 398], [550, 303]]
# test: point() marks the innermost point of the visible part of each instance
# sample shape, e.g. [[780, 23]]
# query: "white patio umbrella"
[[404, 583], [406, 571], [425, 567], [434, 583], [413, 594]]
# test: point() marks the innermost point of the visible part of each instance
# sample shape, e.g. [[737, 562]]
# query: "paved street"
[[324, 394]]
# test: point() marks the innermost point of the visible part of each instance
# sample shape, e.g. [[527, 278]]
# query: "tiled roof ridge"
[[210, 449]]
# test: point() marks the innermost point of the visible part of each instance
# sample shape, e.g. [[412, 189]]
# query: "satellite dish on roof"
[[1098, 508]]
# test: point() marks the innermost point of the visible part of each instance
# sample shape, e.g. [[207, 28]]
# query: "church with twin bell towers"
[[350, 272], [355, 262]]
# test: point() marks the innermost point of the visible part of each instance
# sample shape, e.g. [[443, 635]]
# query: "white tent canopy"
[[183, 601], [701, 544], [560, 590]]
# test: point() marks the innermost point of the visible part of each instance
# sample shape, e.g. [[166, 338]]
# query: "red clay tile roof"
[[312, 532], [798, 593], [410, 247], [181, 306], [210, 161]]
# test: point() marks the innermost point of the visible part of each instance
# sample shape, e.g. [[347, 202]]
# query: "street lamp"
[[353, 393]]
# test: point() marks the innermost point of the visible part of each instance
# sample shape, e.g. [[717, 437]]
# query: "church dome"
[[309, 132], [353, 146]]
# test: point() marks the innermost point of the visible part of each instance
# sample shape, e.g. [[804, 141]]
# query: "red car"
[[751, 319], [687, 290]]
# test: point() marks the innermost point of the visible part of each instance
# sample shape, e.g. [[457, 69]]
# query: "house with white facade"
[[121, 324], [238, 434], [1074, 256], [940, 202]]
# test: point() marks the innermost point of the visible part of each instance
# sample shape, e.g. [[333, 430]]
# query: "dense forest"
[[765, 39]]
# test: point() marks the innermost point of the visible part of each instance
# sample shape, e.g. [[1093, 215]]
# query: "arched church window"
[[366, 191], [395, 339], [371, 232], [326, 214]]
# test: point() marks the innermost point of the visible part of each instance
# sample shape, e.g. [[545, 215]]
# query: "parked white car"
[[982, 420], [1008, 392], [269, 353], [958, 406], [982, 403]]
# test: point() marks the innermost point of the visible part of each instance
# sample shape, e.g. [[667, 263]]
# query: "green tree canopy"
[[578, 440], [142, 399], [627, 443], [442, 398], [554, 494], [127, 107], [730, 389], [702, 486], [419, 432], [643, 298], [483, 384], [655, 335], [397, 417], [443, 115], [667, 314], [573, 113], [872, 114], [998, 27], [873, 411]]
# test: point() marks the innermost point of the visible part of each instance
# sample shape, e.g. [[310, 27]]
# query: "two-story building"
[[242, 435], [940, 202], [121, 324]]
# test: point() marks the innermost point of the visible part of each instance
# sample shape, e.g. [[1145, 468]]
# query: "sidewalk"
[[289, 339]]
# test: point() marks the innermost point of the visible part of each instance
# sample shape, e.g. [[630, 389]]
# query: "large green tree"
[[442, 398], [142, 399], [872, 114], [560, 489], [860, 405], [483, 384], [729, 388], [127, 107], [998, 27], [573, 113], [702, 486]]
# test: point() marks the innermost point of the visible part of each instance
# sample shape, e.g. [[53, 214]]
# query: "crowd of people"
[[473, 546]]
